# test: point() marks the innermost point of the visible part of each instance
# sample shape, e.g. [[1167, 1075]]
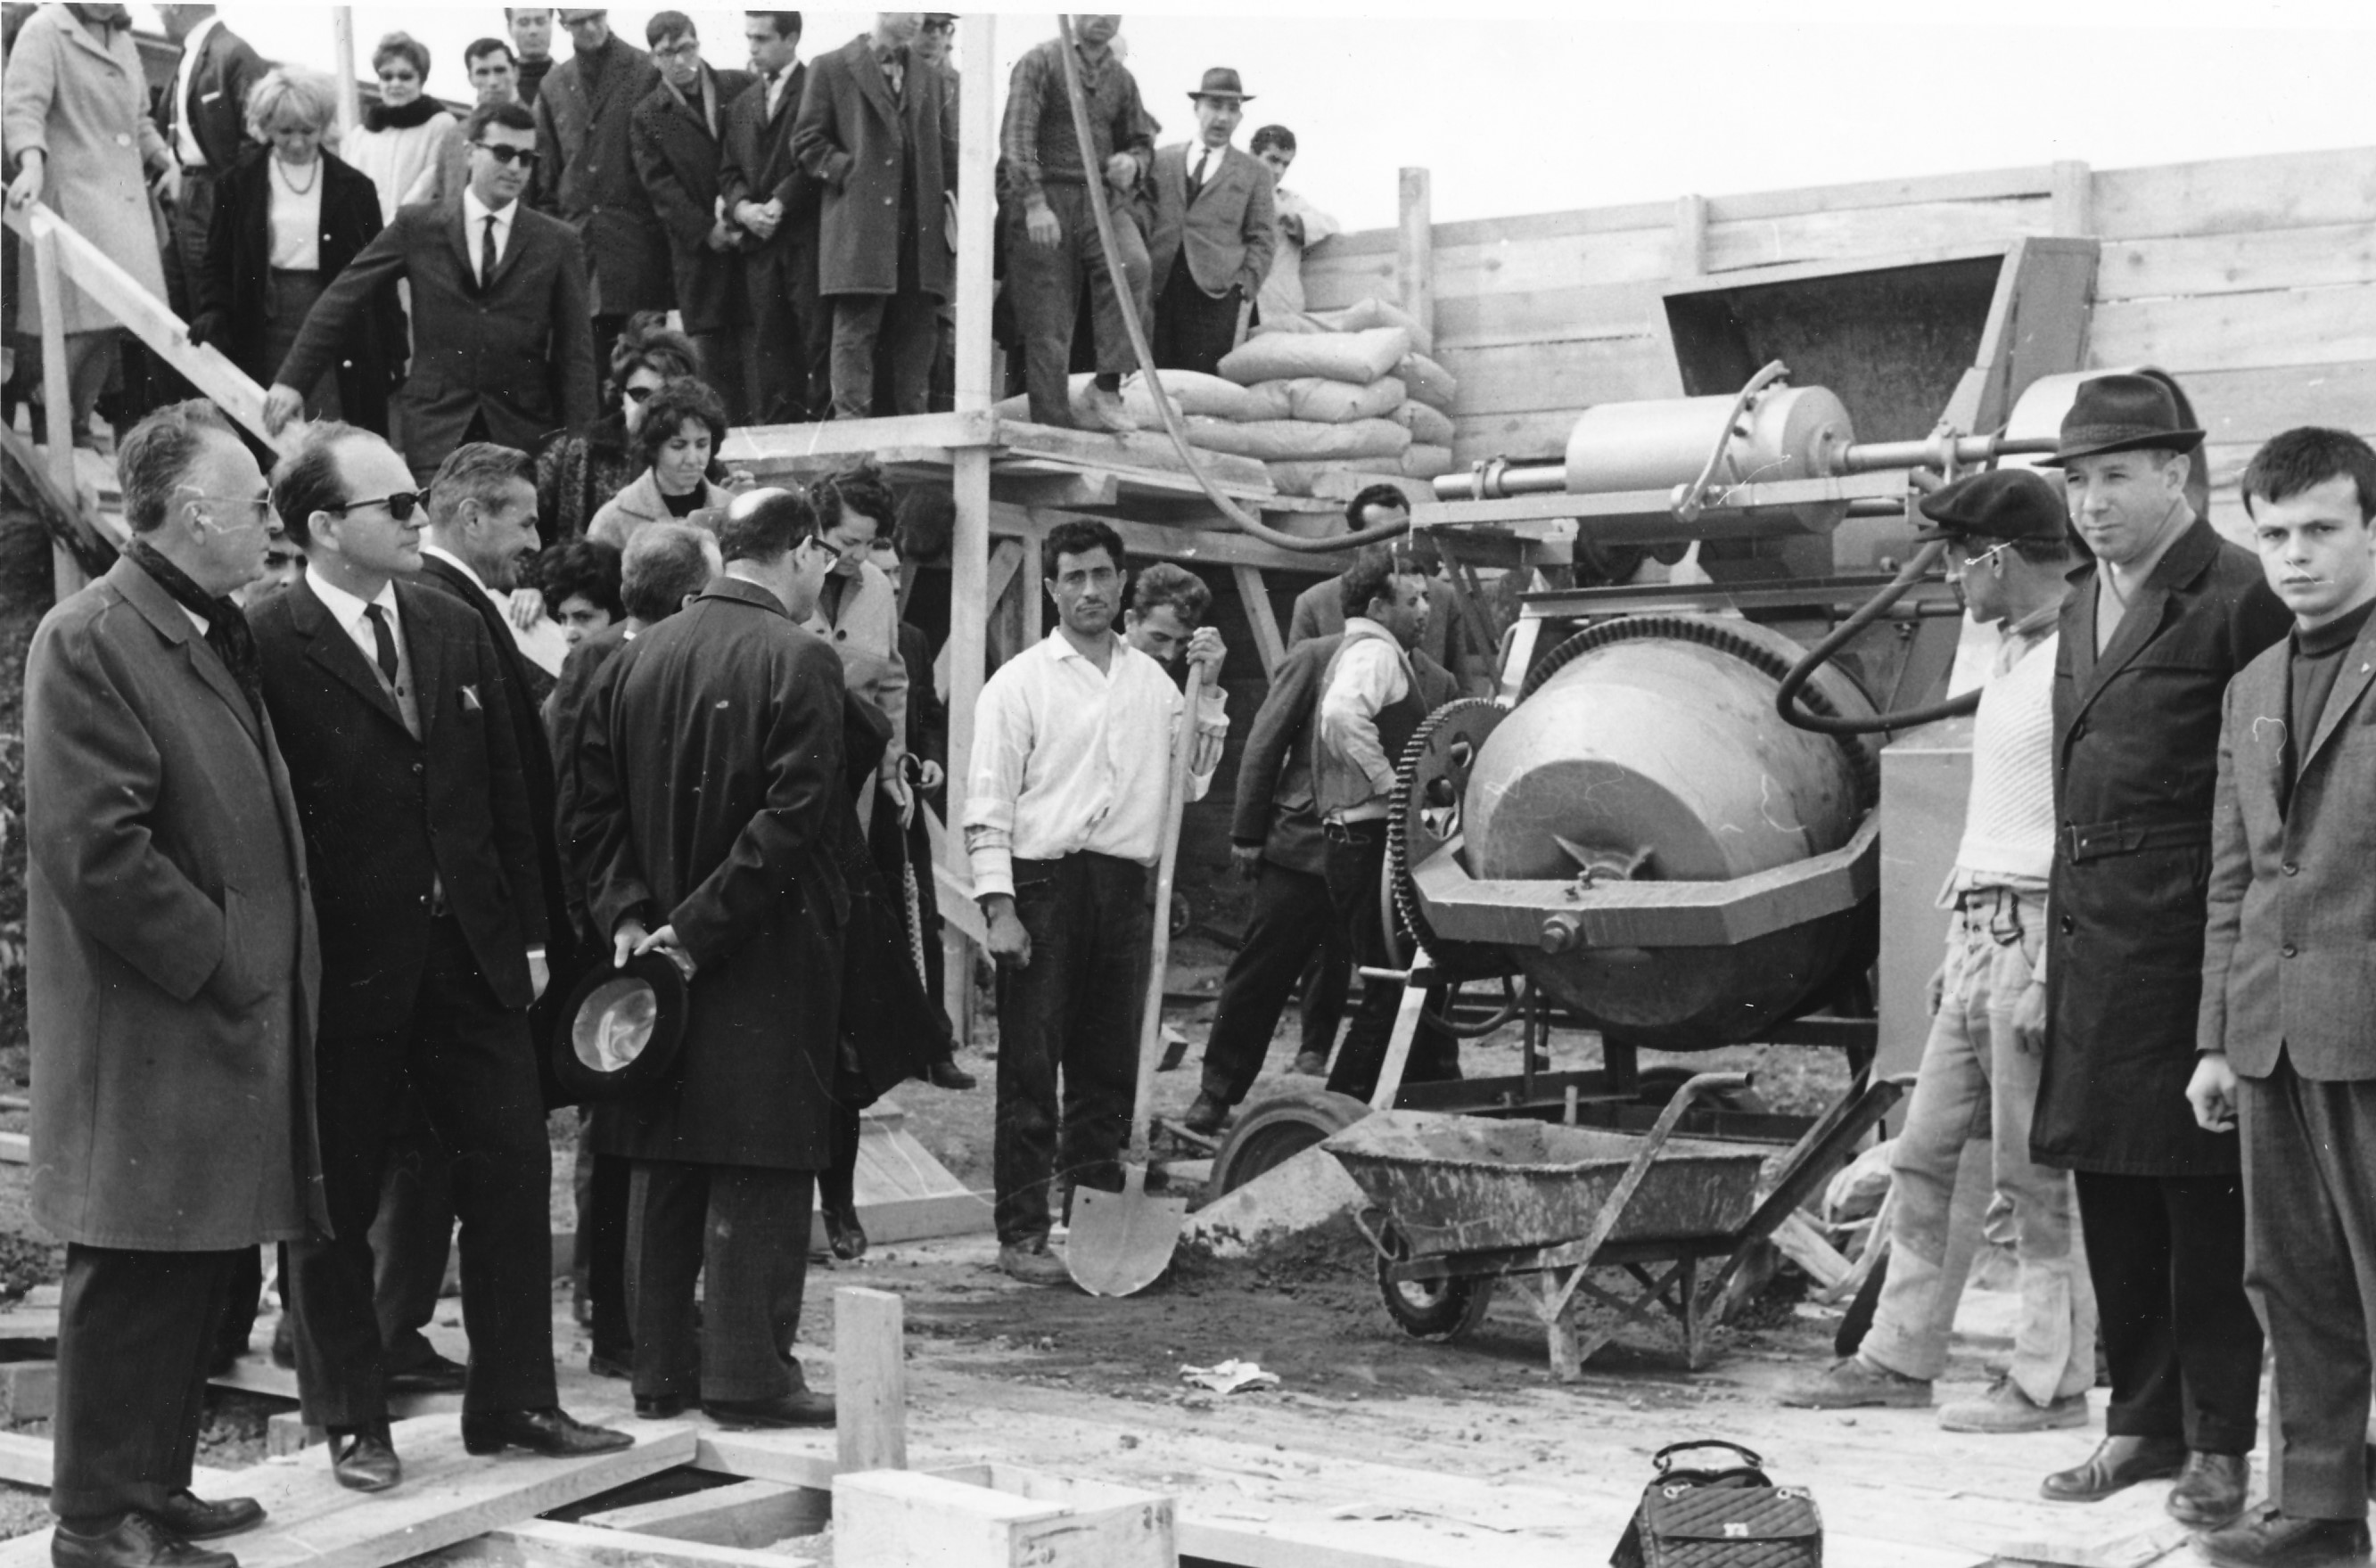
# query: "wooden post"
[[57, 393], [343, 44], [970, 467], [1268, 641], [1415, 250], [869, 1380], [2074, 198], [1691, 237]]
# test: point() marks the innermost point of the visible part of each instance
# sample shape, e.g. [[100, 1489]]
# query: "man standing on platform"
[[204, 117], [677, 134], [1072, 759], [872, 132], [585, 174], [531, 30], [1052, 250], [2149, 638], [2288, 1054], [773, 202], [1215, 232], [171, 974], [2007, 533]]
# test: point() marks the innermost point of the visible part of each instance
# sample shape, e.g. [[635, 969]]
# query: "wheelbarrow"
[[1458, 1204]]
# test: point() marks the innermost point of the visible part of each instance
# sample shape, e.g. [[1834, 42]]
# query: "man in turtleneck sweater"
[[531, 30], [585, 174]]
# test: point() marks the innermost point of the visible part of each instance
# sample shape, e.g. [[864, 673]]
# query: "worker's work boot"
[[2004, 1408], [2271, 1539], [2118, 1464], [1033, 1264], [2210, 1491], [1852, 1382], [1207, 1114], [1097, 408]]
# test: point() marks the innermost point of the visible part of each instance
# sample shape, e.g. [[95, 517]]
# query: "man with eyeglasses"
[[677, 134], [499, 346], [2008, 538], [409, 779]]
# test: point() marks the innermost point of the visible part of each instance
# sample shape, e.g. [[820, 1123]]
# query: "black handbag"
[[1732, 1517]]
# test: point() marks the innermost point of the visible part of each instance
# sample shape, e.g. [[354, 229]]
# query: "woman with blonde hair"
[[403, 139], [288, 219]]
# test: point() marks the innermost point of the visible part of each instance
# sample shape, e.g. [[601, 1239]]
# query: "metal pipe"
[[1495, 478]]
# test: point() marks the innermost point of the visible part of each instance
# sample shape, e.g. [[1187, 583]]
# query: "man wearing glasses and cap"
[[1215, 232], [500, 350], [2009, 545], [2152, 633]]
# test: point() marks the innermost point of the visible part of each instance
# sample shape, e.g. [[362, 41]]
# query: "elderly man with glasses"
[[500, 350]]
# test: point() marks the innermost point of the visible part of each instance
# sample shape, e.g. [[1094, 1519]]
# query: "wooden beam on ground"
[[749, 1514], [869, 1380], [16, 1148], [547, 1543], [894, 1519], [25, 1461], [1268, 643], [1415, 249], [1799, 1243]]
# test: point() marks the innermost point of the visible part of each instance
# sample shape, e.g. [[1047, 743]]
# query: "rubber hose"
[[1244, 520], [1786, 700]]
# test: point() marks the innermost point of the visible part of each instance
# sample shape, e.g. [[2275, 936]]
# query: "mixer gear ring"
[[1424, 812]]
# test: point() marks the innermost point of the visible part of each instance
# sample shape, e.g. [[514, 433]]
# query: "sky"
[[1538, 108]]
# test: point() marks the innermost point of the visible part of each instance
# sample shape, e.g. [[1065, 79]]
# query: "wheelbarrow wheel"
[[1437, 1310], [1273, 1130]]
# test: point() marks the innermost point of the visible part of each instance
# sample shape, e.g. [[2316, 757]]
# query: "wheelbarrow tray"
[[1471, 1183]]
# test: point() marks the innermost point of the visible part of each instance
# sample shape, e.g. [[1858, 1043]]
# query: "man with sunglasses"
[[2008, 542], [500, 350], [426, 885]]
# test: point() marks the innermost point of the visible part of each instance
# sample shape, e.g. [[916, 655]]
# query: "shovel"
[[1120, 1241]]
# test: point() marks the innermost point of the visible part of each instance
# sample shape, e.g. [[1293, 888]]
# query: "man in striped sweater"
[[2008, 538]]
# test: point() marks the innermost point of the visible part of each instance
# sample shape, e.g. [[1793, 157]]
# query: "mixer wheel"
[[1432, 1309], [1271, 1132]]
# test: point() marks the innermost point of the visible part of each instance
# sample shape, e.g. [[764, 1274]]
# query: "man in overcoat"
[[710, 797], [2289, 1056], [203, 115], [2153, 631], [677, 135], [172, 977], [772, 202], [872, 131], [585, 174], [1215, 232]]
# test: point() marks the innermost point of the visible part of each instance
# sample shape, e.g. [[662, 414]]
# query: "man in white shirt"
[[1063, 819], [2009, 545], [203, 114]]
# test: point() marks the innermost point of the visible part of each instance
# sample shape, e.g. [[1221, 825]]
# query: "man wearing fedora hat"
[[2009, 540], [2152, 633], [1214, 231]]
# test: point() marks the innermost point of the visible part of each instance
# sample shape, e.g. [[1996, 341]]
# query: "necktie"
[[487, 256], [383, 640], [1196, 175]]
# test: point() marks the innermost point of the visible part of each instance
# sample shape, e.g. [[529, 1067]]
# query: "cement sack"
[[1375, 312], [1428, 427], [1194, 392], [1299, 479], [1357, 357], [1292, 321], [1428, 382], [1137, 400], [1328, 402], [1295, 441], [1426, 461]]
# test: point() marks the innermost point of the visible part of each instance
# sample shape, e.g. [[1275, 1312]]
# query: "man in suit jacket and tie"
[[773, 203], [408, 778], [172, 979], [203, 113], [1214, 232], [2287, 1052], [677, 134], [499, 347]]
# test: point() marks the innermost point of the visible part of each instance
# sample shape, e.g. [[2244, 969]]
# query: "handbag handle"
[[1663, 1459]]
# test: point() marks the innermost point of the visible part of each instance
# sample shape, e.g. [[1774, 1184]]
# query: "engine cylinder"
[[1659, 756]]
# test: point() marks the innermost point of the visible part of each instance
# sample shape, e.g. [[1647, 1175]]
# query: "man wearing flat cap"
[[2008, 544], [2152, 633], [1215, 232]]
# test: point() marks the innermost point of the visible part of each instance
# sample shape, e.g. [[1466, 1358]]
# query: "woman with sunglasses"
[[402, 143], [677, 437], [578, 473]]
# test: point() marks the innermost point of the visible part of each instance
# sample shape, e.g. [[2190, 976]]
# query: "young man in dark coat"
[[203, 115], [710, 803], [677, 134], [773, 203], [871, 130], [173, 972], [2288, 1057], [2153, 631]]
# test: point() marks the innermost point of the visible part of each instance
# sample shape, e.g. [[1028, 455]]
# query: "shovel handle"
[[1150, 1026]]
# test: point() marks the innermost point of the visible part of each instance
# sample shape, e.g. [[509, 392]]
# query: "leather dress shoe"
[[193, 1518], [2210, 1491], [802, 1407], [946, 1074], [135, 1540], [2118, 1464], [438, 1375], [364, 1458], [843, 1233], [284, 1340], [1205, 1113], [661, 1407], [611, 1363], [2271, 1539], [552, 1431]]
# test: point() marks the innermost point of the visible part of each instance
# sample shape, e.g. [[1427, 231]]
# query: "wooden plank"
[[869, 1380], [1524, 378], [1268, 644], [1546, 316], [57, 396], [1217, 545], [448, 1496], [1415, 249], [1147, 450], [2288, 190], [2073, 193], [1691, 237], [547, 1543], [789, 1458], [1542, 433], [1506, 265], [2287, 326], [748, 1515], [1515, 229], [16, 1148], [2249, 406], [1863, 231], [756, 446], [1919, 190], [2322, 256], [1802, 1244], [894, 1519], [25, 1461]]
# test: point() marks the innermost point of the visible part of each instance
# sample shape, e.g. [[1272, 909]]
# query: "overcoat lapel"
[[161, 611], [2185, 559], [429, 673], [2351, 683]]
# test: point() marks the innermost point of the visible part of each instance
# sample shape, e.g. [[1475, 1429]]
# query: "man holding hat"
[[2008, 544], [1213, 234], [2151, 635]]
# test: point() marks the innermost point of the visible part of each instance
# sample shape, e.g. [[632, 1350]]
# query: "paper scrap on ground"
[[1227, 1377]]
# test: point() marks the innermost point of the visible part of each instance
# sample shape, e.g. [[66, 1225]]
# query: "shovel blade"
[[1120, 1241]]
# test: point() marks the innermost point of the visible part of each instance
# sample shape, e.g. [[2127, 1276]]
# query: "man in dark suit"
[[585, 174], [711, 805], [872, 131], [203, 114], [408, 778], [676, 134], [171, 977], [2287, 992], [498, 294], [773, 203], [1214, 232], [2153, 631], [1319, 609]]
